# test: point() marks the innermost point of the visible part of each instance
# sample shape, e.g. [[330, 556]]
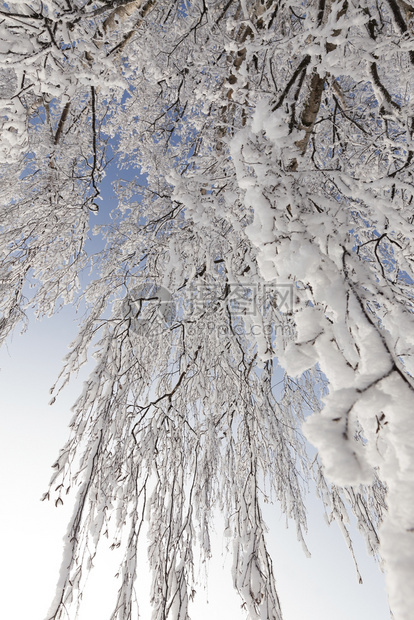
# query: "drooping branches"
[[264, 154]]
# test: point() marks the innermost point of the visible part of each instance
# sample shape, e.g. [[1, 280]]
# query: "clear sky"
[[323, 587]]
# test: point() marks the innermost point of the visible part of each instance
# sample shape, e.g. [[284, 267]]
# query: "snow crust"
[[366, 425]]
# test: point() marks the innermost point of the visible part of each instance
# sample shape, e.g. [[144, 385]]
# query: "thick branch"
[[62, 121], [310, 111], [300, 68], [384, 91], [399, 20]]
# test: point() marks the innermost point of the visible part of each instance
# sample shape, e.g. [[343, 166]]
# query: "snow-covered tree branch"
[[256, 287]]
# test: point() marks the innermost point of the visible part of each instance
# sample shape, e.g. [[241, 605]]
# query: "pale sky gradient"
[[321, 588]]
